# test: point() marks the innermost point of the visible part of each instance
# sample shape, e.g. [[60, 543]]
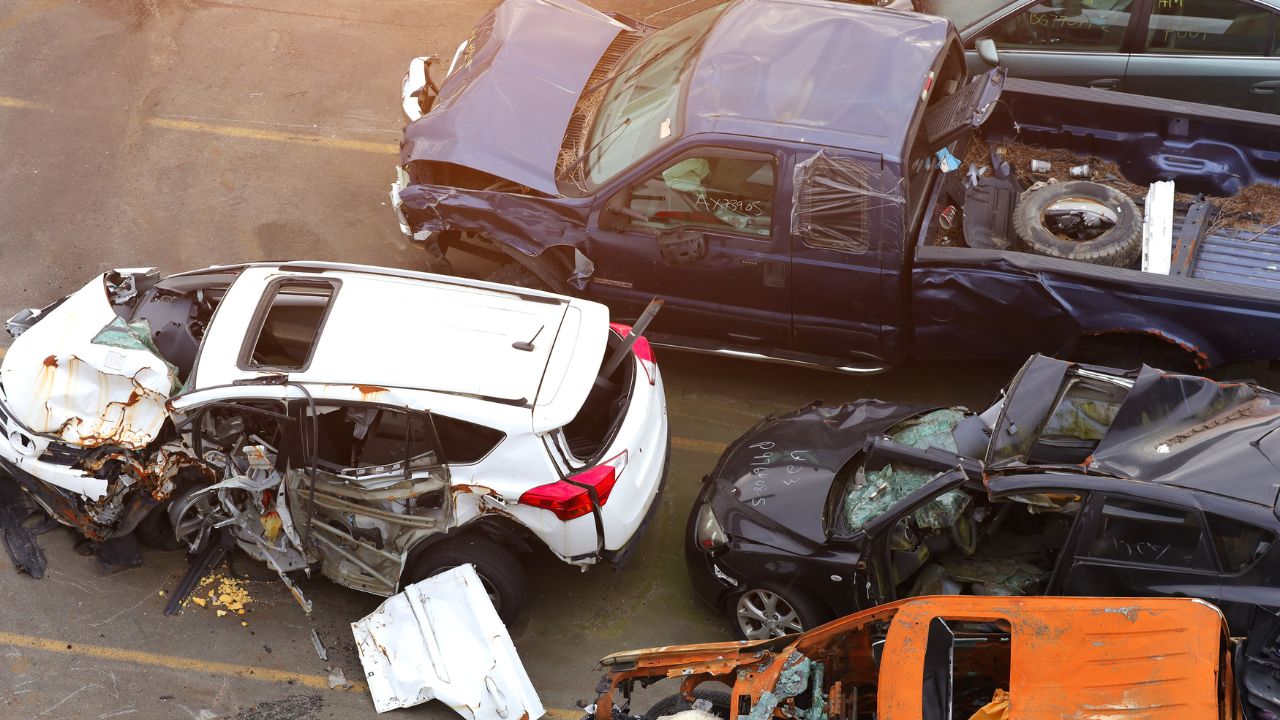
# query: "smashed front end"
[[83, 417]]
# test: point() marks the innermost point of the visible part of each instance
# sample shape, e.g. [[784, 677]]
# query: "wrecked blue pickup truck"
[[784, 174]]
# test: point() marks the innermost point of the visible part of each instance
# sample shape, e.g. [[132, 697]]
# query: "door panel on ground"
[[709, 217], [1221, 52], [1138, 548], [1065, 41]]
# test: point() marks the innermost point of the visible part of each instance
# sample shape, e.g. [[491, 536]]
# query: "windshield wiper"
[[628, 72]]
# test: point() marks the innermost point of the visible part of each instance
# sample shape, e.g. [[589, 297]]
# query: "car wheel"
[[672, 704], [762, 612], [1046, 221], [500, 573], [156, 527]]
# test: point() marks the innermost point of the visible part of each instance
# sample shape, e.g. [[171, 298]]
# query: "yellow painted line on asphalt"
[[172, 662], [12, 102], [35, 8], [175, 662], [234, 131], [701, 446]]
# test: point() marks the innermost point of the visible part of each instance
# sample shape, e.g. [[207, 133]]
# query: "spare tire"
[[1080, 220]]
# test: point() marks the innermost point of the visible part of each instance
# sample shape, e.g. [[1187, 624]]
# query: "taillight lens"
[[641, 349], [569, 499], [708, 533]]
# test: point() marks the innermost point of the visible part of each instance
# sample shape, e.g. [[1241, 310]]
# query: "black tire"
[[809, 612], [672, 704], [515, 273], [501, 573], [1119, 246], [155, 530]]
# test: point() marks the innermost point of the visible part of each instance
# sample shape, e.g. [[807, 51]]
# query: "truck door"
[[708, 213], [838, 270]]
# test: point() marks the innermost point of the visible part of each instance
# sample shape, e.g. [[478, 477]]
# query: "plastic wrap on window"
[[834, 200]]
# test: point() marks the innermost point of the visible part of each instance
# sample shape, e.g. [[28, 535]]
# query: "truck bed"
[[1235, 256]]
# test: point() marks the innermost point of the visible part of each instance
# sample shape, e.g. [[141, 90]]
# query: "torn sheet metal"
[[504, 107], [528, 224], [93, 379], [886, 486], [441, 639]]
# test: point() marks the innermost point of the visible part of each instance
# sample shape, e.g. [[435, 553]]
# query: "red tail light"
[[569, 499], [641, 349]]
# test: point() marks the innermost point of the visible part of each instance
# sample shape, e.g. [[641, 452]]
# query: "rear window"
[[291, 317]]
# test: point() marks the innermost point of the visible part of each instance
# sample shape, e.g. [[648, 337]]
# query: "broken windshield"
[[638, 113]]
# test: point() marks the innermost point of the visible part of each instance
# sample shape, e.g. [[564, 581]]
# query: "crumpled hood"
[[85, 376], [781, 471], [505, 107]]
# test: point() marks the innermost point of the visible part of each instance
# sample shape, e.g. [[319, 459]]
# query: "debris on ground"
[[294, 707], [441, 639], [223, 594], [16, 511], [336, 678], [315, 640]]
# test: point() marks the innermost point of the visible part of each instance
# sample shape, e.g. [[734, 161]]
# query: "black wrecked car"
[[1079, 480]]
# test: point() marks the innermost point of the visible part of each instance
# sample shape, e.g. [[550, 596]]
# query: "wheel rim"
[[195, 518], [1078, 219], [765, 614]]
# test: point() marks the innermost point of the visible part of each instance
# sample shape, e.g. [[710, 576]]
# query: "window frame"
[[1204, 561], [1142, 38], [622, 198], [444, 453], [299, 408], [244, 360], [1132, 41]]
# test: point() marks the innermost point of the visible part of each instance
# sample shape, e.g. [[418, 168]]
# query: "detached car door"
[[1131, 547], [1075, 42], [1221, 52], [709, 213]]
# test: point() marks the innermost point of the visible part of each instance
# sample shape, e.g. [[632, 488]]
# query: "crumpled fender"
[[527, 224]]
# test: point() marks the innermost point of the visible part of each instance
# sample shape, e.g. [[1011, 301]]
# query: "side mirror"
[[987, 51]]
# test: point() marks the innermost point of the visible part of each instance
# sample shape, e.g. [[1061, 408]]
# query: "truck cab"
[[740, 163]]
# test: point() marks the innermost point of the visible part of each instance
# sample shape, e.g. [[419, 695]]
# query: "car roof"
[[389, 329], [814, 71]]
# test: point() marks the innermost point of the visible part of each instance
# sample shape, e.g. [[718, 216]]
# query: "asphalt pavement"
[[183, 133]]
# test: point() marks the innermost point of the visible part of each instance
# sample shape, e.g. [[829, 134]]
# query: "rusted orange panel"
[[1079, 658]]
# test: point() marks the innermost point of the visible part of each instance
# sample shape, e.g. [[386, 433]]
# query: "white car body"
[[517, 362]]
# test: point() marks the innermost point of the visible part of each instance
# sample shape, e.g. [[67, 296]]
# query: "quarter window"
[[1210, 27], [464, 442], [1096, 25], [1149, 534], [715, 192], [1239, 545]]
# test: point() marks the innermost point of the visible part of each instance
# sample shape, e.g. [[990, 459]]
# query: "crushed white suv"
[[375, 425]]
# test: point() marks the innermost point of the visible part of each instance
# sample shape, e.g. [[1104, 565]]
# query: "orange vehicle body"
[[1057, 657]]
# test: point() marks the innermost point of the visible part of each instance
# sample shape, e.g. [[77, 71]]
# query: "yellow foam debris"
[[221, 613], [199, 601], [224, 594]]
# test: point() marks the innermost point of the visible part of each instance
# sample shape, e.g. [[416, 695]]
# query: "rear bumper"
[[620, 556]]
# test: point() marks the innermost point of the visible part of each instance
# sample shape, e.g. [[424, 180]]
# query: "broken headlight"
[[708, 533]]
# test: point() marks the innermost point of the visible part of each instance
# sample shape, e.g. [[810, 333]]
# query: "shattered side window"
[[290, 323], [1149, 534], [367, 437], [834, 198]]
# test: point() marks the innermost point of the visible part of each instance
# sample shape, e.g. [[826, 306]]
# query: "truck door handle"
[[1105, 83], [775, 274], [1266, 87]]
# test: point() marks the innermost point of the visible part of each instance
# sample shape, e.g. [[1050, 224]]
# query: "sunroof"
[[290, 324]]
